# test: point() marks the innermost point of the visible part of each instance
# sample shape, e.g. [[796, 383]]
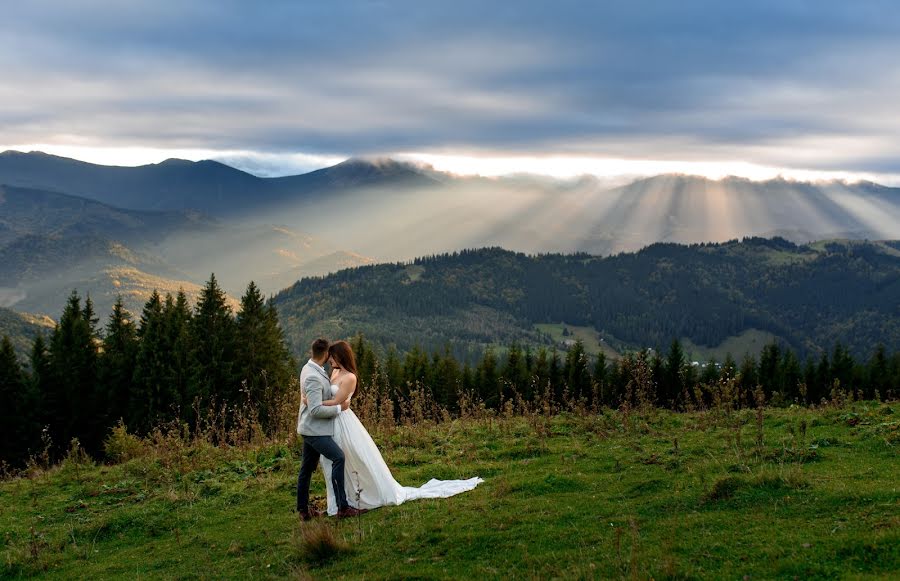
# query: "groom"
[[316, 425]]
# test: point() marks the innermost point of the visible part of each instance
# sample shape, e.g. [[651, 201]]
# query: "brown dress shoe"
[[309, 514], [350, 511]]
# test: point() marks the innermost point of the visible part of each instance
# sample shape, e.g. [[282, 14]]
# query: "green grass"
[[677, 496], [588, 335], [750, 341]]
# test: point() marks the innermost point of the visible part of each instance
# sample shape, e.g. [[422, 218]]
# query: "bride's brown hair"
[[343, 356]]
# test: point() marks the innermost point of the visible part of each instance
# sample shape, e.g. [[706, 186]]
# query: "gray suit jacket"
[[316, 419]]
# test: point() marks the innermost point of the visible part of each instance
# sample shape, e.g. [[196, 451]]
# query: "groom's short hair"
[[319, 348]]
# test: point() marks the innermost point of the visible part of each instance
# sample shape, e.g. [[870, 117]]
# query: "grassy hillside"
[[659, 495], [808, 296], [750, 341], [593, 342]]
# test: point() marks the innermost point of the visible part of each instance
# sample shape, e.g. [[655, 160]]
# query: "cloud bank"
[[808, 85]]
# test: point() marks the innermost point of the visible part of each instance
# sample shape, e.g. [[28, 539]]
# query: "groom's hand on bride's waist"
[[345, 405]]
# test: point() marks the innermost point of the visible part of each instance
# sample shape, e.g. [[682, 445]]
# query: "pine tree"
[[263, 360], [14, 425], [600, 370], [729, 366], [614, 392], [96, 409], [445, 376], [576, 372], [529, 363], [253, 355], [515, 370], [749, 379], [120, 346], [468, 381], [658, 377], [177, 332], [879, 379], [365, 359], [540, 374], [770, 377], [150, 379], [822, 385], [213, 335], [842, 367], [555, 375], [41, 378], [488, 378], [416, 368], [809, 379], [393, 369], [90, 317], [71, 399], [894, 365], [673, 375], [710, 373], [790, 375]]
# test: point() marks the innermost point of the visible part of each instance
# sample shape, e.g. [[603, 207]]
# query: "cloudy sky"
[[804, 88]]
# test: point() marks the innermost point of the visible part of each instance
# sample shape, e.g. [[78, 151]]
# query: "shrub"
[[120, 446]]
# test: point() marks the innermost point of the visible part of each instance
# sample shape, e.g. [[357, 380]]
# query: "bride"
[[369, 483]]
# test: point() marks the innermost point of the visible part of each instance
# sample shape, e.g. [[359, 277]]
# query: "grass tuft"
[[727, 487], [724, 488], [316, 542]]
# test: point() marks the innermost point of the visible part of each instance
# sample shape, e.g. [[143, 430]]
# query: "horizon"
[[428, 163]]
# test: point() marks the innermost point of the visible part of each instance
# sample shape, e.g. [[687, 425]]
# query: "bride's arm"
[[345, 390]]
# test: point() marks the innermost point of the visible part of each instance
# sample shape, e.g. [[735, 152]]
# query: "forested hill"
[[809, 296]]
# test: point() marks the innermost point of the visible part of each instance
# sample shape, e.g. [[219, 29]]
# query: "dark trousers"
[[313, 448]]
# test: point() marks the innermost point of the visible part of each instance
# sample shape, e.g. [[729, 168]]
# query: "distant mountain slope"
[[207, 186], [396, 211], [22, 329], [51, 243], [34, 212], [809, 296], [587, 215], [172, 184], [355, 173]]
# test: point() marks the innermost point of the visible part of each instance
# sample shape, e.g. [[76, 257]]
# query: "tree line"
[[174, 363], [668, 379]]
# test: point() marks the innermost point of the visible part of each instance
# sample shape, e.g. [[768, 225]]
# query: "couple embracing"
[[356, 476]]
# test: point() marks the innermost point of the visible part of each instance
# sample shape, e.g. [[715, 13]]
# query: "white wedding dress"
[[365, 471]]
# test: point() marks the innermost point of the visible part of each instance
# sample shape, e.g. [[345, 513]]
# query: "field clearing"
[[588, 336], [609, 495], [750, 342]]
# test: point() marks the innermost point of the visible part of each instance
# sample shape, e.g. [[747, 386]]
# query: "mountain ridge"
[[810, 296], [423, 169], [208, 186]]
